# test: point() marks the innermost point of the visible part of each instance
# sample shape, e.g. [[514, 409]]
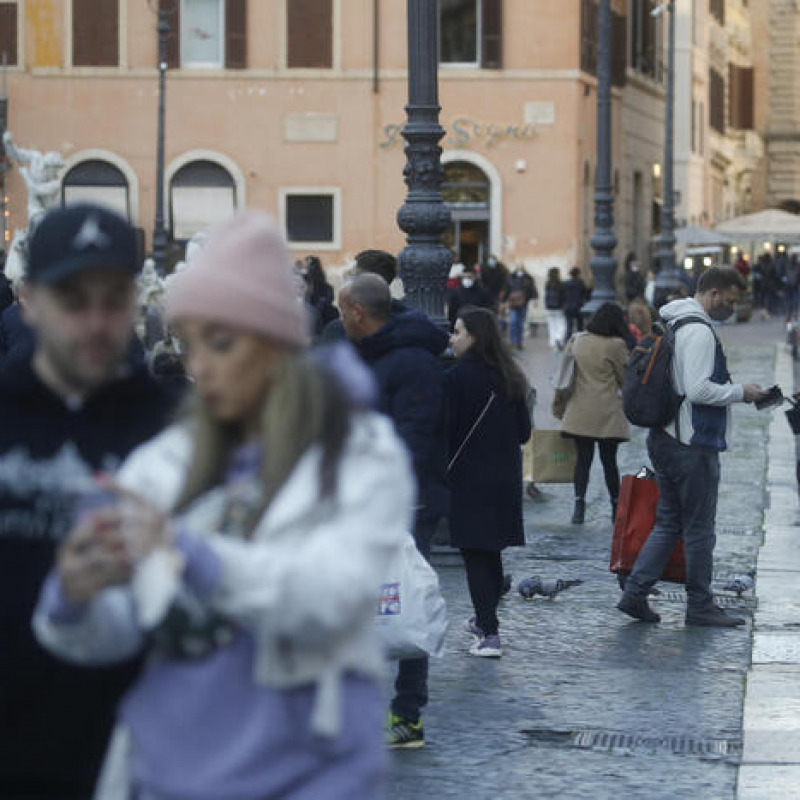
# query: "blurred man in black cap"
[[75, 406]]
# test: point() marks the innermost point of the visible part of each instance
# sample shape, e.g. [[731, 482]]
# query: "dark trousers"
[[411, 686], [792, 301], [574, 320], [608, 457], [485, 581], [688, 484]]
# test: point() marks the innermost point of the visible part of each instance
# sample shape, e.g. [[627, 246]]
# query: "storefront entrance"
[[466, 192]]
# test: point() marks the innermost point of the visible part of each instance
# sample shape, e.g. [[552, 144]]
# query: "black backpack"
[[649, 398]]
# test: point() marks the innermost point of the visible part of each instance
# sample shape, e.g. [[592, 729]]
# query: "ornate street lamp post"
[[668, 279], [424, 261], [159, 229], [604, 241]]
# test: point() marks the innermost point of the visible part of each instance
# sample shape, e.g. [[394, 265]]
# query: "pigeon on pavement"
[[548, 587], [741, 583]]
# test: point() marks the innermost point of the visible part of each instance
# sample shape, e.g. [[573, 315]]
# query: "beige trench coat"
[[595, 407]]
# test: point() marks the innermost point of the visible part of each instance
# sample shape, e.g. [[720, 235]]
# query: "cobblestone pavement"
[[531, 725]]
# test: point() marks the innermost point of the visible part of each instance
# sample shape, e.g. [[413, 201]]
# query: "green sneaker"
[[404, 735]]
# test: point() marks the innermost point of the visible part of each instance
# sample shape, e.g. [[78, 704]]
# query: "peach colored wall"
[[241, 115]]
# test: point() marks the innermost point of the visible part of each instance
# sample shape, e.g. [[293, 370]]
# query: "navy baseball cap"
[[79, 237]]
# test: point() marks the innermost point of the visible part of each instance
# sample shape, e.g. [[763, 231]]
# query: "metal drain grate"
[[733, 531], [626, 743], [677, 745]]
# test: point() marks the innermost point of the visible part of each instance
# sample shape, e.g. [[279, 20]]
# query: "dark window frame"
[[92, 45], [589, 44], [489, 37], [307, 47], [299, 202], [9, 33]]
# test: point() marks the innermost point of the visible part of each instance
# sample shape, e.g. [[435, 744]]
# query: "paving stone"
[[577, 664], [768, 781]]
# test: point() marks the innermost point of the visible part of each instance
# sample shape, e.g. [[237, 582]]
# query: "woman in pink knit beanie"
[[270, 516]]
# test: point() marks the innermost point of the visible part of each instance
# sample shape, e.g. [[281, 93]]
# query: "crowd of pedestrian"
[[194, 523]]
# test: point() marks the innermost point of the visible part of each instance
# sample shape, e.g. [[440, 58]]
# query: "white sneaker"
[[488, 647]]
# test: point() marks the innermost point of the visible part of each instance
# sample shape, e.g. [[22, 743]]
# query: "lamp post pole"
[[604, 241], [424, 261], [159, 230], [668, 279]]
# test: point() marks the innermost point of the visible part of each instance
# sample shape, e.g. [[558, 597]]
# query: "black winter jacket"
[[486, 478], [55, 719], [405, 358]]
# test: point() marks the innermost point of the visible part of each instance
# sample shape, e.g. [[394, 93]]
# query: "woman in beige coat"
[[593, 414]]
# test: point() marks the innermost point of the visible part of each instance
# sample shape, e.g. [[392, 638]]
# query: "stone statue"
[[41, 174]]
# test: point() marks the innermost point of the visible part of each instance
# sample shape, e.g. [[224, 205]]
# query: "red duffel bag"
[[636, 515]]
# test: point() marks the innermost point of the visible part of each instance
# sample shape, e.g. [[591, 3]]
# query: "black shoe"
[[535, 493], [638, 608], [579, 514], [712, 617]]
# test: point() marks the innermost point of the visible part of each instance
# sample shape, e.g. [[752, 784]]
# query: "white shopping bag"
[[411, 615]]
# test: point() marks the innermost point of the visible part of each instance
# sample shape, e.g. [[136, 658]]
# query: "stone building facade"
[[296, 106]]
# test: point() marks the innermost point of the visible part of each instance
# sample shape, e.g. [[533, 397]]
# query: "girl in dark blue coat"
[[488, 422]]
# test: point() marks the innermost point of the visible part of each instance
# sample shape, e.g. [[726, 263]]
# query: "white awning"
[[114, 198], [197, 208]]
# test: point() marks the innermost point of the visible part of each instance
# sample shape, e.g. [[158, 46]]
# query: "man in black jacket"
[[74, 406], [368, 262], [575, 296], [404, 352]]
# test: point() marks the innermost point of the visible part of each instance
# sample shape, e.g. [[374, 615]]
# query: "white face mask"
[[467, 283]]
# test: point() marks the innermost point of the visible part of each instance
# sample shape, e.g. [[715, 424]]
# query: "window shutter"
[[492, 34], [95, 33], [173, 9], [733, 96], [747, 98], [8, 33], [589, 36], [619, 54], [716, 101], [740, 95], [310, 33], [236, 34]]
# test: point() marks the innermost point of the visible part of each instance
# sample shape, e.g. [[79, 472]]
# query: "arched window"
[[467, 191], [97, 181], [201, 194]]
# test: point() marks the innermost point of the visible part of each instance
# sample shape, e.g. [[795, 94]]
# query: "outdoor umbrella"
[[694, 236], [765, 225]]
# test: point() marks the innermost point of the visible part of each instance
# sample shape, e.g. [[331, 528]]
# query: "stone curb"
[[770, 765]]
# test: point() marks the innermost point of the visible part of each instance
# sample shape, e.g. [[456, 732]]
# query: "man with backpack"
[[687, 434]]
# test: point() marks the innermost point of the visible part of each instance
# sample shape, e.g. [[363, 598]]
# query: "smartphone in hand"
[[773, 398], [93, 500]]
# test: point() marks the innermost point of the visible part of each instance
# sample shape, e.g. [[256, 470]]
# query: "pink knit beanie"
[[242, 278]]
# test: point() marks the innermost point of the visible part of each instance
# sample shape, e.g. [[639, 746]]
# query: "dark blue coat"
[[17, 339], [405, 358], [486, 478]]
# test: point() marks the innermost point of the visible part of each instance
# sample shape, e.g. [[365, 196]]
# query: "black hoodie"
[[55, 719], [405, 358]]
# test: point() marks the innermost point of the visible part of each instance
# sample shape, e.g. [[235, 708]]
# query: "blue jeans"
[[688, 485], [517, 325], [411, 686]]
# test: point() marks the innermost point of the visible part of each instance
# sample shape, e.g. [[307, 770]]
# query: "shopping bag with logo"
[[636, 516], [411, 615], [553, 457]]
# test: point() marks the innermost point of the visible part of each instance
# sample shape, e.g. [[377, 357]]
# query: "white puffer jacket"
[[305, 586]]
